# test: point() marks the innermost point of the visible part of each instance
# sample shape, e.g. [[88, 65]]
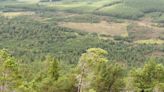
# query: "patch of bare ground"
[[156, 54], [156, 32], [144, 29], [103, 27]]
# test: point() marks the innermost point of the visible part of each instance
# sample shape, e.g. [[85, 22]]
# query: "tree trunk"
[[80, 86]]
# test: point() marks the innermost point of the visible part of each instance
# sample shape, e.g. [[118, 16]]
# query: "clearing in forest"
[[15, 14], [113, 29]]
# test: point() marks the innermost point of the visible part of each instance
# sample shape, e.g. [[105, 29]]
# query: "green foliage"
[[10, 78], [32, 40], [149, 76], [97, 75], [88, 67], [121, 11], [160, 19], [94, 55], [47, 78], [53, 67], [129, 9], [146, 6], [110, 78], [92, 74]]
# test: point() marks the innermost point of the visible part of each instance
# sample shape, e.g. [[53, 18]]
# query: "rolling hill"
[[130, 9], [81, 46], [127, 21]]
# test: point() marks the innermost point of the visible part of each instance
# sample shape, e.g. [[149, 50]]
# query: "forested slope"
[[81, 46], [31, 40]]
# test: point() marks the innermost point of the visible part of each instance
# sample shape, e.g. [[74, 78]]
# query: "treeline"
[[93, 73]]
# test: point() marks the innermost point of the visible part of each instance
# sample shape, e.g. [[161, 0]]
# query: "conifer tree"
[[10, 78]]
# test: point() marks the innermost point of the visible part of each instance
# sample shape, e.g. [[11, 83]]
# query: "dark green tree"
[[110, 78], [148, 77]]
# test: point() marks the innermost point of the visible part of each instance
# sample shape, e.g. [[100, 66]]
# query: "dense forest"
[[93, 73], [81, 46]]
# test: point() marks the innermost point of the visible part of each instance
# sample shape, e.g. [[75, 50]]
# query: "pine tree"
[[10, 78], [151, 75], [88, 66]]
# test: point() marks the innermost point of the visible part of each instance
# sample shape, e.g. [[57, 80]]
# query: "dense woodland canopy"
[[92, 70], [31, 40], [39, 54]]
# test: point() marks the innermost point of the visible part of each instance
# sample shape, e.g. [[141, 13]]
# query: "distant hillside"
[[126, 9], [129, 9], [20, 0], [6, 0]]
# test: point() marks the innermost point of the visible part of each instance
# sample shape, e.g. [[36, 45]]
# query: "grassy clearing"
[[81, 6], [104, 3], [103, 27], [15, 14], [141, 30], [29, 1], [122, 11], [64, 6], [160, 19], [157, 54], [146, 5], [150, 41], [74, 7]]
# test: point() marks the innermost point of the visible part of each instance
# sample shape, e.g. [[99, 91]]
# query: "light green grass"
[[150, 41], [101, 3], [65, 6], [81, 6], [160, 19], [122, 11], [74, 7], [29, 1], [129, 9], [146, 5]]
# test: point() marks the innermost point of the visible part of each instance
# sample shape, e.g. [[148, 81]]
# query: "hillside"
[[130, 9], [79, 17], [81, 46]]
